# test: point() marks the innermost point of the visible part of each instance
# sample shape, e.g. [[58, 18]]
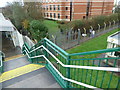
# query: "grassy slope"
[[93, 44], [52, 26]]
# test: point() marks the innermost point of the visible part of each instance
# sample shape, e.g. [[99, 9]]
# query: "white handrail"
[[70, 80], [70, 66], [76, 66]]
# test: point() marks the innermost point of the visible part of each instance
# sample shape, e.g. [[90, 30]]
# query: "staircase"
[[20, 73], [77, 70]]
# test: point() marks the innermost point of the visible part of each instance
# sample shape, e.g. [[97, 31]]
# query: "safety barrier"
[[79, 70], [2, 56]]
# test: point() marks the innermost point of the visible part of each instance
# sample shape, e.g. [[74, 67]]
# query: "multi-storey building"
[[76, 9]]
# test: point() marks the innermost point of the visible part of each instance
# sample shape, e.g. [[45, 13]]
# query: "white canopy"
[[114, 38], [5, 25], [2, 17]]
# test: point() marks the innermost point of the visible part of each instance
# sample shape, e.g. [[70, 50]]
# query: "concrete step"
[[19, 71], [13, 57], [42, 80], [15, 63]]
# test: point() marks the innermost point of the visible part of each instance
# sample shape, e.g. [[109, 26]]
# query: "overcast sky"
[[3, 2]]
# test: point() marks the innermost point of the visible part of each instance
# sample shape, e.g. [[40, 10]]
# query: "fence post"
[[114, 22], [104, 25], [45, 52], [54, 38], [79, 35], [98, 27], [109, 24], [69, 35], [68, 72]]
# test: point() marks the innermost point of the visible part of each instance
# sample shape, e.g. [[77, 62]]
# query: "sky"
[[4, 2]]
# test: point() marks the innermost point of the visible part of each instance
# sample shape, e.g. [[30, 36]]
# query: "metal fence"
[[72, 38]]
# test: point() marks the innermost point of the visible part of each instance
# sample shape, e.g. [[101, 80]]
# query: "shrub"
[[86, 23], [62, 22], [38, 30]]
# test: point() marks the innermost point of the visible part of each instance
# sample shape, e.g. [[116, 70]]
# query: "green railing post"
[[45, 52], [68, 72]]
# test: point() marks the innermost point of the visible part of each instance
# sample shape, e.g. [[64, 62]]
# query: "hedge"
[[86, 23]]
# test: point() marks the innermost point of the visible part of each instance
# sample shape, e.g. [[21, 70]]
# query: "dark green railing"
[[78, 70], [2, 56]]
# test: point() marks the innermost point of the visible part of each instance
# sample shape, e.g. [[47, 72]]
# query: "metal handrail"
[[74, 66], [66, 55], [96, 52]]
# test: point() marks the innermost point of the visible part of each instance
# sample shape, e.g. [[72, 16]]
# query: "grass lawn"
[[96, 78], [52, 26], [93, 44]]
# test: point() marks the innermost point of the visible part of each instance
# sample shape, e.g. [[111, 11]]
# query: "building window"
[[50, 7], [58, 15], [54, 7], [44, 8], [54, 15], [58, 7], [44, 14], [47, 7], [83, 17], [66, 17], [66, 8], [51, 15]]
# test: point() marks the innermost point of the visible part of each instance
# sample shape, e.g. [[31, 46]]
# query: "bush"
[[62, 22], [38, 30], [80, 24]]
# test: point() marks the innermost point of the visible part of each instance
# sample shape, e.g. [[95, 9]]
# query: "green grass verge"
[[97, 43], [52, 26]]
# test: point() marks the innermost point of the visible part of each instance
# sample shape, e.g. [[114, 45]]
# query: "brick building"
[[76, 9]]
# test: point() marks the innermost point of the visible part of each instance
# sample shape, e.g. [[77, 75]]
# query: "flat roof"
[[116, 35], [2, 17], [5, 25], [114, 38]]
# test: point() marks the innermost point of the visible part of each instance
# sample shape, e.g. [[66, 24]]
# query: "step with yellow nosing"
[[19, 71], [14, 57]]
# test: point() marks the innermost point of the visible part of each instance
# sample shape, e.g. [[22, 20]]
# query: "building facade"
[[76, 9]]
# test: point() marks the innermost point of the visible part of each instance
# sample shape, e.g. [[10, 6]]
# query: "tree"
[[18, 14], [38, 30], [15, 12], [25, 24], [33, 10], [117, 9]]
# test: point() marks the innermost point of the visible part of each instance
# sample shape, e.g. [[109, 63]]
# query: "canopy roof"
[[5, 25], [114, 38]]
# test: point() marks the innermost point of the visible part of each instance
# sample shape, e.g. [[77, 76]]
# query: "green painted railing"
[[94, 69], [1, 61]]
